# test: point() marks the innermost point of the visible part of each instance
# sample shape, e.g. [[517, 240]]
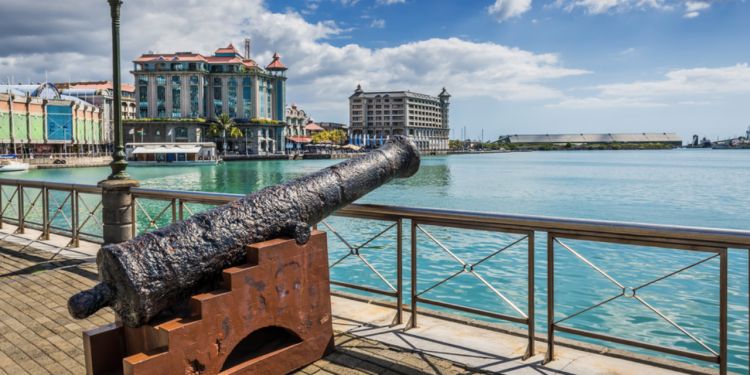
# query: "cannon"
[[150, 273]]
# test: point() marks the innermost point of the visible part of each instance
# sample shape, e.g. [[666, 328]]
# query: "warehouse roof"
[[593, 138]]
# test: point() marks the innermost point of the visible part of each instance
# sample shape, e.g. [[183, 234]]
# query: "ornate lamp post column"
[[118, 163], [117, 199]]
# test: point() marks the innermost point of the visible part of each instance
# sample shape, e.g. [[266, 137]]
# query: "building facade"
[[101, 94], [375, 116], [185, 85], [38, 119]]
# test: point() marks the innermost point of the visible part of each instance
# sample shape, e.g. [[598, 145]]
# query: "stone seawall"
[[70, 162]]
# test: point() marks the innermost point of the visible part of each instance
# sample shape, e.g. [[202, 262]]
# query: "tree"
[[223, 126], [337, 136]]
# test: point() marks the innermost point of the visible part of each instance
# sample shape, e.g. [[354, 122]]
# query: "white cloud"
[[505, 9], [321, 75], [693, 8], [390, 2], [606, 6], [678, 87], [377, 23]]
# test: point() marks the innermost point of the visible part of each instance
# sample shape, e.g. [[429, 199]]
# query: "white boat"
[[12, 166]]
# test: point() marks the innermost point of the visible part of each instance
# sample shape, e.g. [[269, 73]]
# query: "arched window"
[[176, 96], [218, 103], [232, 97], [247, 97], [161, 96], [194, 96]]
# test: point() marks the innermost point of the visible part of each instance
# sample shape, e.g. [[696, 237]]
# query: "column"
[[117, 210]]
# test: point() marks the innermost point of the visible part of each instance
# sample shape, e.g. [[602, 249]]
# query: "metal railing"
[[152, 208]]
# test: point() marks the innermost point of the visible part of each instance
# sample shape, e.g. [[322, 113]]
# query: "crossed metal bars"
[[397, 291], [23, 200], [471, 268], [177, 207], [553, 325]]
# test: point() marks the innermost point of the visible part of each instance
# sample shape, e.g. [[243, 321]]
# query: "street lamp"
[[118, 163]]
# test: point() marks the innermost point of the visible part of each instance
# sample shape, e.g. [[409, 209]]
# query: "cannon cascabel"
[[141, 277]]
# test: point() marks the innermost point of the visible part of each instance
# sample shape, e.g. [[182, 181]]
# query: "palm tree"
[[222, 125]]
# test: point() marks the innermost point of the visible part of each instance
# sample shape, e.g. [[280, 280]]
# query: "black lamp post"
[[118, 163]]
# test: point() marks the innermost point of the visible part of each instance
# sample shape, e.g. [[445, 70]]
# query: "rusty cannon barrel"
[[144, 276]]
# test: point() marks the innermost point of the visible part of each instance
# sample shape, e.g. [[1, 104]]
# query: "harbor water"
[[707, 188]]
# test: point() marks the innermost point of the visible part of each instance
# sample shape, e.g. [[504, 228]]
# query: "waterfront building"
[[334, 126], [101, 94], [153, 154], [38, 119], [295, 135], [582, 139], [375, 116], [166, 131], [187, 85]]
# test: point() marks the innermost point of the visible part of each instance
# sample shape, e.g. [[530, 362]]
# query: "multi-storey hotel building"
[[190, 85], [375, 116]]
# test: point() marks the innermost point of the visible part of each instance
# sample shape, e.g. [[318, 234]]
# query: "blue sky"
[[513, 66], [628, 44]]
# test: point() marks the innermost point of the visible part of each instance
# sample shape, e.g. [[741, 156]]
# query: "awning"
[[167, 150], [299, 139]]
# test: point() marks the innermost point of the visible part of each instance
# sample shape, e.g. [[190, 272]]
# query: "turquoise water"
[[680, 187]]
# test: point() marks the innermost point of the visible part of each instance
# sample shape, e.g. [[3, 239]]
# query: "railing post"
[[19, 192], [531, 311], [45, 213], [2, 211], [723, 302], [117, 210], [399, 272], [550, 299], [74, 218], [182, 208], [174, 209], [413, 273]]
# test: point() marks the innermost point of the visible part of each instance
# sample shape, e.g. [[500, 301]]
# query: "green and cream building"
[[37, 119]]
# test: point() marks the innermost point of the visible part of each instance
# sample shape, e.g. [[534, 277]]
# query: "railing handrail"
[[716, 236], [734, 238]]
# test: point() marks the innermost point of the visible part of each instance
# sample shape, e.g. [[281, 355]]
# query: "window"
[[194, 90], [181, 134], [247, 97], [143, 97], [161, 95], [218, 105], [232, 97], [261, 93], [176, 96]]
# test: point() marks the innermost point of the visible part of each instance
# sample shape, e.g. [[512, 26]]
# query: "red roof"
[[313, 127], [276, 63], [299, 139], [165, 57], [197, 57], [228, 49], [95, 85]]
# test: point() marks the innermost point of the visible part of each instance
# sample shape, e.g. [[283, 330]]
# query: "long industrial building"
[[38, 119], [579, 139]]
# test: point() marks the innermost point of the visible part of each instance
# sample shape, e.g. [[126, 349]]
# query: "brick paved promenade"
[[37, 336]]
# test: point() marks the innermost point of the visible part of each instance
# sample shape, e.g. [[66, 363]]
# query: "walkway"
[[37, 336]]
